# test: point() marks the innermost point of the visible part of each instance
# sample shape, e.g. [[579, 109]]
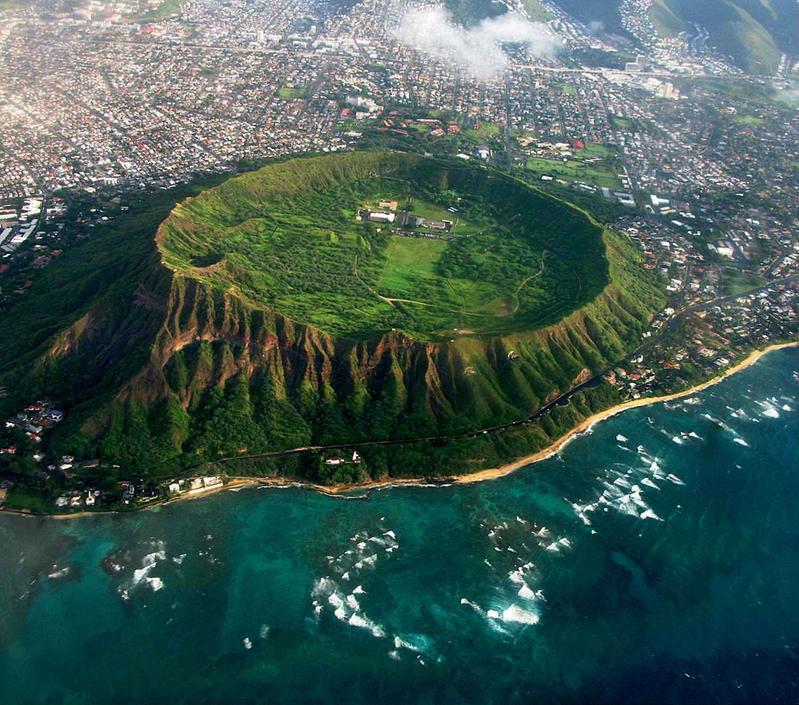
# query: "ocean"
[[654, 560]]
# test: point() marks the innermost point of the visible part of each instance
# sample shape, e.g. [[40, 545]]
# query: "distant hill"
[[469, 12], [753, 32]]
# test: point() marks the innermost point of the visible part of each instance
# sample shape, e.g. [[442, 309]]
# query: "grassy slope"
[[286, 237], [160, 372], [753, 32]]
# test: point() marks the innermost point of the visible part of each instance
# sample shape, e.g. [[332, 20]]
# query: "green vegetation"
[[735, 281], [752, 32], [596, 164], [599, 174], [291, 92], [28, 499], [469, 12], [666, 22], [287, 237], [536, 11], [483, 132], [604, 11], [748, 120], [164, 11], [620, 123], [167, 370]]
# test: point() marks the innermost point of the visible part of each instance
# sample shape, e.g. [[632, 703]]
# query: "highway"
[[541, 411]]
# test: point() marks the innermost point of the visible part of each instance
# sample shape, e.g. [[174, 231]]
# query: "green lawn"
[[290, 92], [748, 120], [598, 173], [20, 498], [734, 281], [165, 10], [483, 133], [286, 237], [595, 149], [621, 123]]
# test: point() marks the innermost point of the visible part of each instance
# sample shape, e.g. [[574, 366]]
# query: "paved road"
[[542, 411]]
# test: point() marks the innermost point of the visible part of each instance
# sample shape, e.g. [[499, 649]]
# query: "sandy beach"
[[237, 483], [587, 424], [549, 451]]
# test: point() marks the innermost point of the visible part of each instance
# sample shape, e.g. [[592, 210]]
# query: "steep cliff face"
[[225, 377], [162, 368]]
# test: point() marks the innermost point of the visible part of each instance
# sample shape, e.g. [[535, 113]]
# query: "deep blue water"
[[656, 560]]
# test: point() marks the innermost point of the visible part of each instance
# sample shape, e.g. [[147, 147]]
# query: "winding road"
[[541, 411]]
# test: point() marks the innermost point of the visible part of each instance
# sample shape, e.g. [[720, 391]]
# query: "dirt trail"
[[525, 282], [387, 299]]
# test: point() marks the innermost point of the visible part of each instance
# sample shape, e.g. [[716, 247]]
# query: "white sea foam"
[[247, 643], [358, 591], [581, 509], [363, 623], [155, 583], [400, 643], [141, 576], [621, 439], [673, 478], [516, 614], [740, 441], [471, 604], [649, 514], [352, 603], [626, 506]]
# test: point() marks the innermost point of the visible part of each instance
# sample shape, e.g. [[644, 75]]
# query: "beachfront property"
[[194, 485]]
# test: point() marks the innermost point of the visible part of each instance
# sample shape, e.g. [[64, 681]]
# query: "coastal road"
[[542, 411]]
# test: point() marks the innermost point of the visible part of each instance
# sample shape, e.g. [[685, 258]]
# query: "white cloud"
[[477, 49]]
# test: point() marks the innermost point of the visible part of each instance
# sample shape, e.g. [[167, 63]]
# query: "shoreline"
[[588, 423], [240, 482]]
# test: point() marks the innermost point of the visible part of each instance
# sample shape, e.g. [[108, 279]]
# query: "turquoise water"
[[655, 561]]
